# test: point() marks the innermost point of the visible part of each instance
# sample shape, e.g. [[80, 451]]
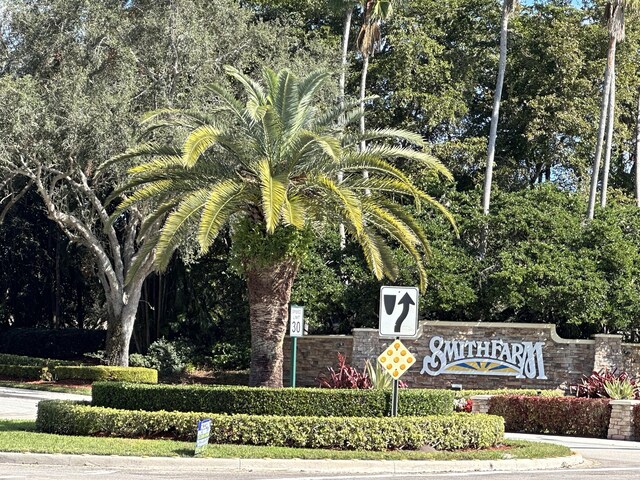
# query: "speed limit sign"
[[296, 321]]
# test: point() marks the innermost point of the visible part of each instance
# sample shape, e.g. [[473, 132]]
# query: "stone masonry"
[[565, 360]]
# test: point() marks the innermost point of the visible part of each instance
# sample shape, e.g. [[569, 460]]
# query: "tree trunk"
[[363, 90], [269, 293], [120, 328], [341, 86], [604, 106], [345, 49], [638, 152], [495, 114], [607, 153]]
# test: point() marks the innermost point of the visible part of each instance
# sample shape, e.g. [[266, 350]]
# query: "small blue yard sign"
[[204, 432]]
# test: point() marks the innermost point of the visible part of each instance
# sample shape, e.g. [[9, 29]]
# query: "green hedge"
[[270, 401], [451, 432], [26, 372], [510, 391], [115, 374], [8, 359], [581, 417]]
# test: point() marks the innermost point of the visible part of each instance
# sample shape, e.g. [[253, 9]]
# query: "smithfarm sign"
[[488, 357]]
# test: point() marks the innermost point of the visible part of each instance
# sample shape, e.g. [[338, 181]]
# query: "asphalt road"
[[613, 460]]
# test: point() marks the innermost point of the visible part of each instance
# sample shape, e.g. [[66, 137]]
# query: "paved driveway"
[[22, 404]]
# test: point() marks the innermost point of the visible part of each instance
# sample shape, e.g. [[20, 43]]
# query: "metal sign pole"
[[294, 353], [394, 398]]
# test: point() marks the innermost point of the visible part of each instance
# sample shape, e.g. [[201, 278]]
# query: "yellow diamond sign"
[[396, 359]]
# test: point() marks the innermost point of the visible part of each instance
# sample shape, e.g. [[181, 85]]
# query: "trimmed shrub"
[[270, 401], [67, 343], [636, 420], [25, 372], [450, 432], [101, 372], [510, 391], [9, 359], [582, 417], [423, 402]]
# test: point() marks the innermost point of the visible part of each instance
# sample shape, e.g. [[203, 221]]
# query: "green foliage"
[[104, 373], [450, 432], [250, 240], [580, 417], [270, 401], [509, 391], [168, 358], [424, 402], [620, 390], [26, 372]]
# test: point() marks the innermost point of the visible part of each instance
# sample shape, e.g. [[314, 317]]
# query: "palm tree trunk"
[[269, 293], [604, 107], [495, 114], [607, 154], [638, 152], [341, 85], [345, 49], [363, 89]]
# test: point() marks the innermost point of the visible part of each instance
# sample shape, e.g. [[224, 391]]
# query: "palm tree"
[[614, 16], [369, 41], [507, 9], [266, 167]]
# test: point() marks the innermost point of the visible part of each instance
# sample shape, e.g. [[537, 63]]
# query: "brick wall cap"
[[606, 335], [481, 397], [624, 402], [527, 326]]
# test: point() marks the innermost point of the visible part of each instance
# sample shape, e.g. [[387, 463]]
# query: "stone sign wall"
[[475, 355]]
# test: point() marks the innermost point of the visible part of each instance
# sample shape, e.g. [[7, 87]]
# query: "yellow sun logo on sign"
[[396, 359]]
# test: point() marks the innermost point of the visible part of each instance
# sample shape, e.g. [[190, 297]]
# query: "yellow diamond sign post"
[[396, 360]]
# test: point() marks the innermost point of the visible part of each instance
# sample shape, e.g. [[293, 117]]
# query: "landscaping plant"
[[595, 385]]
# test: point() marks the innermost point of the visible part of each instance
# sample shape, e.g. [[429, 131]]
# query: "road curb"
[[293, 465]]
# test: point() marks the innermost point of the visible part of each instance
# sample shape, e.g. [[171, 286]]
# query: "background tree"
[[71, 98]]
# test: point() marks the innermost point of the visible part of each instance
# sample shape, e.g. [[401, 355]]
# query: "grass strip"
[[20, 436]]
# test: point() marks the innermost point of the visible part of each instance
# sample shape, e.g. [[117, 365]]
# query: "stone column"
[[621, 424], [608, 352], [366, 345], [480, 403]]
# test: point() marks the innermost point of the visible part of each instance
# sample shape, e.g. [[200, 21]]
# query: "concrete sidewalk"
[[22, 404], [373, 467]]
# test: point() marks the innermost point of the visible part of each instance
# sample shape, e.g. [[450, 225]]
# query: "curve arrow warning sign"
[[398, 312]]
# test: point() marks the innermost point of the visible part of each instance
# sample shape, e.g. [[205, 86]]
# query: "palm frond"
[[146, 192], [348, 202], [221, 203], [426, 159], [255, 92], [395, 133], [176, 224], [274, 191], [198, 142], [141, 150], [294, 211]]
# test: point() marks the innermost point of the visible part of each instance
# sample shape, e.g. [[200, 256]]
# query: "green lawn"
[[20, 436]]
